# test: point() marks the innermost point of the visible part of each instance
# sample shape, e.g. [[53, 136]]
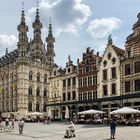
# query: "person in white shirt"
[[72, 129]]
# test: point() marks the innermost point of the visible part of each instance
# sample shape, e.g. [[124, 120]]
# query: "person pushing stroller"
[[70, 132]]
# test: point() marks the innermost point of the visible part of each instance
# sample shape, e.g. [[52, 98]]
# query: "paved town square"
[[55, 131]]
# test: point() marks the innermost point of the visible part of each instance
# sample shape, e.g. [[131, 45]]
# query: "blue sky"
[[77, 24]]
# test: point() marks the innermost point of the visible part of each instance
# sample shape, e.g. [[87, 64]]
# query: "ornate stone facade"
[[130, 65], [24, 72]]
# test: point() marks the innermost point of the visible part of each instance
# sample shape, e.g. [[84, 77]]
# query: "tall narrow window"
[[105, 90], [127, 86], [37, 107], [30, 91], [64, 96], [127, 69], [113, 88], [74, 81], [137, 67], [64, 83], [137, 85], [45, 92], [68, 95], [30, 75], [104, 74], [73, 95], [30, 106], [113, 70], [38, 77], [69, 81], [38, 91], [44, 107]]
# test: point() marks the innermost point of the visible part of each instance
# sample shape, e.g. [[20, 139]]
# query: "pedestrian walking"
[[21, 125], [12, 123], [113, 125], [49, 120]]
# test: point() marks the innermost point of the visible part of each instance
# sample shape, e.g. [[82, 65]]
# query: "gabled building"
[[87, 79], [63, 92], [109, 75], [55, 93], [69, 90], [130, 67]]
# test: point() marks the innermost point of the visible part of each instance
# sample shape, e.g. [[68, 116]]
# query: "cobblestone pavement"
[[55, 131]]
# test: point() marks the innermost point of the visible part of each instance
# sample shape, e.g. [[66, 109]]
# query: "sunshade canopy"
[[125, 110], [91, 111]]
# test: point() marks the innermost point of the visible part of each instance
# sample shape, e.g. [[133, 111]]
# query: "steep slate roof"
[[119, 51], [9, 58]]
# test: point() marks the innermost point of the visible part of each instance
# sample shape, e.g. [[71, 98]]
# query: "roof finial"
[[6, 52], [110, 42], [22, 6]]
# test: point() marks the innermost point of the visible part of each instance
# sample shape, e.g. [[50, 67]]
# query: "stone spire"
[[110, 41], [6, 52], [37, 25], [23, 28], [50, 45], [22, 37]]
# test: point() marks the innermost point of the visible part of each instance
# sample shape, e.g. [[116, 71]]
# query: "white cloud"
[[100, 28], [7, 42], [67, 15]]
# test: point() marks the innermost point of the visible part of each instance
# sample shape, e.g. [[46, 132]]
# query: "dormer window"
[[54, 73], [109, 55], [68, 70]]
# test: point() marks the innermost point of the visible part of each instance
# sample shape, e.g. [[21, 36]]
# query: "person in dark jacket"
[[113, 125]]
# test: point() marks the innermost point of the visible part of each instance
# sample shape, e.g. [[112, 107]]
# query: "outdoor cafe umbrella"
[[35, 114], [125, 110], [91, 111], [66, 113]]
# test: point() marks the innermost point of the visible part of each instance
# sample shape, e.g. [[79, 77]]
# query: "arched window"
[[30, 106], [30, 91], [38, 77], [30, 75], [37, 107], [45, 78], [45, 92], [38, 91], [44, 107]]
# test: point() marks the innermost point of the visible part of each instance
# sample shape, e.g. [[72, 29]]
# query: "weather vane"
[[37, 4], [22, 5]]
